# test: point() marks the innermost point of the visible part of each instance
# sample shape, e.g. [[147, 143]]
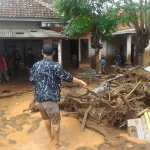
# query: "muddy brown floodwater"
[[24, 131]]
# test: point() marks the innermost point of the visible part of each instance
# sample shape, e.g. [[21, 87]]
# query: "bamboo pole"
[[132, 90]]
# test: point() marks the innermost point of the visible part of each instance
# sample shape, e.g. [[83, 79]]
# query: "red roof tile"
[[26, 9], [48, 1]]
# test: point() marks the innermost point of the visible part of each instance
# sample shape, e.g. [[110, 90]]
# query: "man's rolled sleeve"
[[62, 74]]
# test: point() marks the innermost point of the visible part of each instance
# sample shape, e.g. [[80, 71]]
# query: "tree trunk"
[[96, 38], [140, 59], [142, 44], [97, 60]]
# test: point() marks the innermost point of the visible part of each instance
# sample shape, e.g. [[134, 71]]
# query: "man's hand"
[[83, 83], [76, 80]]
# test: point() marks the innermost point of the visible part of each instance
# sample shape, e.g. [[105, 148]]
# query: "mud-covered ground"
[[24, 131]]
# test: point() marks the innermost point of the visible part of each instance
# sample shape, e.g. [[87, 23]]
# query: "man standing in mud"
[[118, 57], [15, 61], [31, 59], [46, 76]]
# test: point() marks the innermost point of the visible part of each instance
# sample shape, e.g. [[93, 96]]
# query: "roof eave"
[[125, 32], [55, 20]]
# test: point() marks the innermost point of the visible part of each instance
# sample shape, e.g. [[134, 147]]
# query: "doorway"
[[22, 46], [84, 49], [70, 53], [55, 48]]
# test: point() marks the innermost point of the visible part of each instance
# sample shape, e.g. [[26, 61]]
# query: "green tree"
[[100, 17], [136, 14]]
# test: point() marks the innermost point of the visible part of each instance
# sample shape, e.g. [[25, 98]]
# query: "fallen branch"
[[17, 93]]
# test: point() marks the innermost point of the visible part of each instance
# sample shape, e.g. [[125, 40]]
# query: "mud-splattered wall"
[[146, 58], [110, 47]]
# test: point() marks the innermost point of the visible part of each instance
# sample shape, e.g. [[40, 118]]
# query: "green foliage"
[[135, 12], [101, 17], [82, 16]]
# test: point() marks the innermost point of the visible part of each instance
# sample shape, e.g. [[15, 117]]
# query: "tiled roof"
[[29, 33], [26, 9], [47, 3]]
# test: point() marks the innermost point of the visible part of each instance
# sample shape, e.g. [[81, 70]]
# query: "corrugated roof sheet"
[[25, 9], [126, 31], [141, 125], [29, 33]]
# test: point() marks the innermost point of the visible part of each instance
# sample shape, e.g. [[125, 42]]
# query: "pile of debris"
[[124, 97], [119, 98]]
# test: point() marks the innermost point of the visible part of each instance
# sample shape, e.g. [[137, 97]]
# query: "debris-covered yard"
[[105, 106], [118, 98]]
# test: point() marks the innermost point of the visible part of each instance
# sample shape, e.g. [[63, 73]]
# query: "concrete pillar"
[[128, 52], [60, 51]]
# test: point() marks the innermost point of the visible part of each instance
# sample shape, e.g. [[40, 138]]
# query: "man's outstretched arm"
[[76, 80]]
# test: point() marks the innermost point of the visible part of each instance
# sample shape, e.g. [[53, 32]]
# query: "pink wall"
[[47, 41]]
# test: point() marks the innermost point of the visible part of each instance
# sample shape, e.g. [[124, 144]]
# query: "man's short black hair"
[[47, 49]]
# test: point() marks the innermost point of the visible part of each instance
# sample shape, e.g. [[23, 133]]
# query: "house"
[[33, 23], [125, 40], [25, 24]]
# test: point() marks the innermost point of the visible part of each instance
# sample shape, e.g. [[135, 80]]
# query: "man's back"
[[46, 75], [16, 56], [118, 57], [31, 59], [103, 62]]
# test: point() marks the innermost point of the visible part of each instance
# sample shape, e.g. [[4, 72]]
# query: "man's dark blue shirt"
[[46, 76], [31, 59]]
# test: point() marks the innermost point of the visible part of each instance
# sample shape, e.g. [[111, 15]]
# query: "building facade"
[[30, 24]]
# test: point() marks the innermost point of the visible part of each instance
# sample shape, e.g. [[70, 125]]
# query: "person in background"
[[3, 68], [15, 60], [46, 76], [31, 59], [103, 65], [8, 58], [118, 57]]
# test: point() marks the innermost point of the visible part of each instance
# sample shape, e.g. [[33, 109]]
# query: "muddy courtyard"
[[26, 131]]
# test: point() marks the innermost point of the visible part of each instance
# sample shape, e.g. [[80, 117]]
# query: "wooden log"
[[125, 101], [84, 118], [80, 96], [16, 93], [106, 103], [69, 113], [80, 102]]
